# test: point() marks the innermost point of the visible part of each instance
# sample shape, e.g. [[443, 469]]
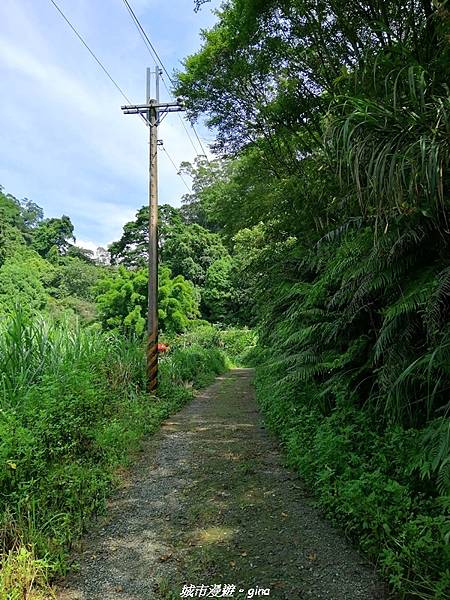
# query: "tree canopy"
[[121, 299], [53, 233], [330, 184]]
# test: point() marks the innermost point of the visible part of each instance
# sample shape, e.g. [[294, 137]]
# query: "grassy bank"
[[367, 479], [73, 408]]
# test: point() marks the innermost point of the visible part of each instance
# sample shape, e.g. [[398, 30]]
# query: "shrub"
[[73, 407], [237, 343], [122, 301]]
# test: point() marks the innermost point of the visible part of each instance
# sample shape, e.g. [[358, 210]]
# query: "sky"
[[65, 143]]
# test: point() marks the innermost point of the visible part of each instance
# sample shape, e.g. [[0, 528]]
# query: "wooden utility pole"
[[152, 309], [152, 111]]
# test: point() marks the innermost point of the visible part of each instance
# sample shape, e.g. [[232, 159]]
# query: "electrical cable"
[[155, 56], [113, 81], [178, 172], [95, 57], [97, 60], [150, 45]]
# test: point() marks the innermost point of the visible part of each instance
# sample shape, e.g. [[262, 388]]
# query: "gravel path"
[[210, 503]]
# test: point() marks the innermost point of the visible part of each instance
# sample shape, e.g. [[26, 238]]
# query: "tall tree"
[[190, 250], [132, 248], [53, 233]]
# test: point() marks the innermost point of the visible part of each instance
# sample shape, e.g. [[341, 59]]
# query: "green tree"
[[186, 248], [75, 277], [177, 302], [122, 301], [10, 240], [332, 122], [31, 213], [132, 248], [190, 250], [198, 206], [218, 293], [24, 277], [10, 210], [82, 254], [51, 233]]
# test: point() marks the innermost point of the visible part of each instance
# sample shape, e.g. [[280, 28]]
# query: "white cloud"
[[87, 245], [118, 141], [57, 84], [65, 142]]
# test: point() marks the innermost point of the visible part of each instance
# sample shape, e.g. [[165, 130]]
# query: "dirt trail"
[[210, 503]]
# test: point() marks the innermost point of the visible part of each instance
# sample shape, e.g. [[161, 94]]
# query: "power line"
[[154, 54], [184, 125], [97, 60], [105, 70], [94, 56], [200, 142], [150, 45], [188, 134], [186, 129], [178, 172], [181, 120], [141, 33]]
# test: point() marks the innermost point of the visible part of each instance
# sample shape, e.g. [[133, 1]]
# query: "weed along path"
[[210, 511]]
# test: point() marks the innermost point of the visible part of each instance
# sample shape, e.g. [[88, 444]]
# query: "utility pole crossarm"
[[152, 111], [143, 109], [152, 104]]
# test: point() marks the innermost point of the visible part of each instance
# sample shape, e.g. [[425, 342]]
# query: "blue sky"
[[64, 141]]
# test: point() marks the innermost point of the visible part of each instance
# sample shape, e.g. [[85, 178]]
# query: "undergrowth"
[[237, 342], [367, 482], [73, 408], [354, 378]]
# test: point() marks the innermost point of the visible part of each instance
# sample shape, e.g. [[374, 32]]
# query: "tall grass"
[[31, 349], [73, 407]]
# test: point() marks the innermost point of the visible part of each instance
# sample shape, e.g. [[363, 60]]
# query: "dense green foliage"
[[73, 408], [122, 301], [367, 481], [194, 252], [53, 234], [331, 189], [323, 220], [237, 343], [73, 404], [40, 269]]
